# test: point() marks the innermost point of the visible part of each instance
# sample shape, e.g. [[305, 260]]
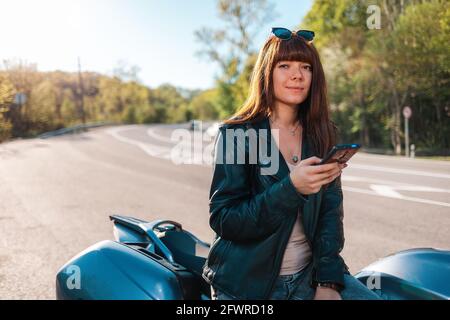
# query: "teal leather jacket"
[[253, 214]]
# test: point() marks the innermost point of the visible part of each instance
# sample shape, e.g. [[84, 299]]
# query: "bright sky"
[[157, 36]]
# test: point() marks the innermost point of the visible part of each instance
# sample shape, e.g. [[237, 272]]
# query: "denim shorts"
[[297, 287]]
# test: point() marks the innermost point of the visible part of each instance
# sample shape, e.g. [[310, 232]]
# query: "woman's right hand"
[[308, 178]]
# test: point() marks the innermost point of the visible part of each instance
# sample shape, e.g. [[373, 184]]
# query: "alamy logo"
[[374, 281], [231, 146], [74, 280], [374, 20]]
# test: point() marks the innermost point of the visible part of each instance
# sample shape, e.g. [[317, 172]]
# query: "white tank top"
[[298, 252]]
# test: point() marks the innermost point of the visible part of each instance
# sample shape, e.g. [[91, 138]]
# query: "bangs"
[[295, 49]]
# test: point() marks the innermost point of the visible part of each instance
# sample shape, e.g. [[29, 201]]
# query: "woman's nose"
[[297, 74]]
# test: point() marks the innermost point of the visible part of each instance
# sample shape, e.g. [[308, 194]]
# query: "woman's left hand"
[[323, 293]]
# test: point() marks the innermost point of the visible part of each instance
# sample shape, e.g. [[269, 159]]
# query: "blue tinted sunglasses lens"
[[305, 34], [282, 33]]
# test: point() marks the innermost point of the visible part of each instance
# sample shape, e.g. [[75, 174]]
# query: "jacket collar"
[[283, 169]]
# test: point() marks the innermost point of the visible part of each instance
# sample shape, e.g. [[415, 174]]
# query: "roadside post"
[[407, 112]]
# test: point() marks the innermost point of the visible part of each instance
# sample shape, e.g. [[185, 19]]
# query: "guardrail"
[[75, 129]]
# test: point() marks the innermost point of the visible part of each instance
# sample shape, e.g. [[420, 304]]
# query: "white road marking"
[[421, 189], [412, 199], [400, 171], [195, 156], [155, 150], [378, 186], [396, 185], [385, 191], [150, 149], [403, 159], [151, 132], [390, 191]]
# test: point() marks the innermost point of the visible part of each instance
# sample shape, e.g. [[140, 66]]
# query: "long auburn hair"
[[313, 113]]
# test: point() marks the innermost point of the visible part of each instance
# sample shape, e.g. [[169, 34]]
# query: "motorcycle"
[[159, 260]]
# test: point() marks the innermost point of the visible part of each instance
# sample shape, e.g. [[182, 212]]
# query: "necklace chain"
[[292, 132]]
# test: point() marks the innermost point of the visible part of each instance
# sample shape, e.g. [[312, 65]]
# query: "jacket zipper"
[[274, 276], [310, 245], [220, 259], [309, 241]]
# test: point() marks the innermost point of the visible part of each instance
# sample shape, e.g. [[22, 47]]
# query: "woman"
[[279, 235]]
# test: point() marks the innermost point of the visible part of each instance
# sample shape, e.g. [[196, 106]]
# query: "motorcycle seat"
[[188, 252]]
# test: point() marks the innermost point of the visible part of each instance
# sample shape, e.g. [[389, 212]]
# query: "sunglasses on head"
[[286, 34]]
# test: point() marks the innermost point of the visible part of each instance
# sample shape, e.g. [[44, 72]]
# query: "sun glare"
[[40, 30]]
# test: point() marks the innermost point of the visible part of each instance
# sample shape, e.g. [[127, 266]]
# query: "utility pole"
[[81, 91]]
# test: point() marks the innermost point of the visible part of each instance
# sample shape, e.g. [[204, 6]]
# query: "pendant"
[[295, 159]]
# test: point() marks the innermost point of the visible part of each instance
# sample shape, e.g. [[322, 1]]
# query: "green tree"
[[42, 102], [6, 100], [373, 74], [205, 106], [169, 103], [231, 47], [421, 69]]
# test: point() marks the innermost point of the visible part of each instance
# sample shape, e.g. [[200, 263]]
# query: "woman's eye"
[[307, 67], [283, 66]]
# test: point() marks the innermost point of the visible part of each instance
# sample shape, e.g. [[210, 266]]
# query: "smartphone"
[[340, 153]]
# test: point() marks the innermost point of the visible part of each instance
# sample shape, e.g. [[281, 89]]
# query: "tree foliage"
[[232, 48], [373, 73], [58, 99]]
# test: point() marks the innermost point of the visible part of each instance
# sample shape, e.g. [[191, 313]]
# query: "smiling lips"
[[296, 88]]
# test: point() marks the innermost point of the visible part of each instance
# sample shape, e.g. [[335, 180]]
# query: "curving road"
[[56, 195]]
